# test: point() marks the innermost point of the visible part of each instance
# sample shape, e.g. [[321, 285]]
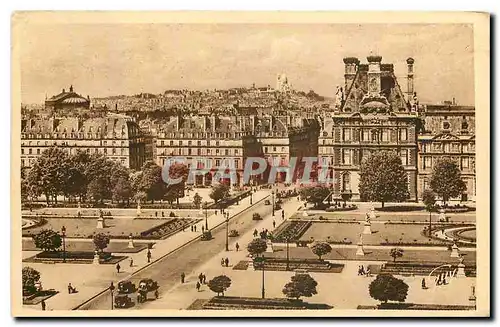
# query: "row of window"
[[72, 135], [186, 143], [30, 162], [465, 163], [448, 147], [373, 135], [217, 162], [47, 143], [120, 151], [198, 152]]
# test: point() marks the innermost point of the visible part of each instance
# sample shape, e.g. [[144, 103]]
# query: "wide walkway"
[[91, 279]]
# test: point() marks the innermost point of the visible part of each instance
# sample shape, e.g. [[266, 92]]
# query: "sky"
[[111, 59]]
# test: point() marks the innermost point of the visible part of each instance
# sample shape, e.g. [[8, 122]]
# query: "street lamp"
[[227, 230], [111, 289], [287, 254], [272, 197], [251, 191], [206, 215], [63, 232], [261, 260]]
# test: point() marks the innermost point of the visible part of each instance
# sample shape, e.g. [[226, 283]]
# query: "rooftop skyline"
[[105, 60]]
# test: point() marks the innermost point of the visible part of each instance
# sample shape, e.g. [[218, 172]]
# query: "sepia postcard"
[[246, 164]]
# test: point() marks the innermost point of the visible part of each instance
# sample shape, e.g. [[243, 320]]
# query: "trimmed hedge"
[[72, 255]]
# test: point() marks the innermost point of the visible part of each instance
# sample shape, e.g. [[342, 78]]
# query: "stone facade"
[[449, 130], [374, 116], [118, 138]]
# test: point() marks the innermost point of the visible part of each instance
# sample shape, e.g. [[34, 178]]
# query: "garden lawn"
[[85, 228], [71, 245], [381, 233]]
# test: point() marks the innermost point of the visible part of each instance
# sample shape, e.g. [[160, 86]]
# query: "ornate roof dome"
[[75, 100]]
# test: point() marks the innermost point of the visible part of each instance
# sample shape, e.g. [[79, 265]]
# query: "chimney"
[[410, 88], [351, 66], [374, 86]]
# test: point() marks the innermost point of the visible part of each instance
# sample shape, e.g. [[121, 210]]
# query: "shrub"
[[301, 285], [388, 288], [30, 277], [219, 284], [47, 240]]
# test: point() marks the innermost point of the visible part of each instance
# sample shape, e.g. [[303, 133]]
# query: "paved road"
[[186, 259]]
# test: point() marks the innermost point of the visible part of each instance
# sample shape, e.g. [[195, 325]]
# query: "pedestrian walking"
[[163, 214], [192, 228], [156, 213], [274, 224], [368, 272], [183, 277], [200, 277], [198, 285], [118, 268], [195, 228], [255, 233], [227, 262], [149, 256], [283, 215], [43, 305], [202, 229], [362, 270], [423, 284], [204, 279], [222, 261], [237, 247], [131, 262]]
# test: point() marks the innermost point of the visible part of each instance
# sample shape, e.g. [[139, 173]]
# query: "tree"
[[346, 196], [321, 248], [219, 284], [388, 288], [315, 194], [219, 192], [301, 285], [30, 278], [257, 247], [49, 173], [429, 199], [197, 200], [446, 180], [122, 190], [47, 240], [150, 182], [101, 241], [383, 179], [98, 190], [396, 253]]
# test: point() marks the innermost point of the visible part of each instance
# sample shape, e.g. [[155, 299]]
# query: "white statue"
[[339, 97]]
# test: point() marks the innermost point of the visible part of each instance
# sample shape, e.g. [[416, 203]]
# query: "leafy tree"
[[219, 284], [197, 200], [346, 196], [30, 278], [315, 194], [122, 190], [80, 162], [429, 199], [101, 241], [47, 240], [219, 192], [446, 180], [256, 247], [396, 253], [301, 285], [49, 173], [98, 189], [388, 288], [321, 248], [383, 179], [151, 182]]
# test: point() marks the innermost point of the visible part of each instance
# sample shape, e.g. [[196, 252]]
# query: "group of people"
[[363, 272], [224, 262], [264, 234], [202, 279]]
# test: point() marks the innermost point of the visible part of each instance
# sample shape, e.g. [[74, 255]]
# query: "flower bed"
[[73, 255], [292, 230], [346, 208], [400, 208]]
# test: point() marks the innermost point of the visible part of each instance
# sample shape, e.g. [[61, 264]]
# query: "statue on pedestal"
[[130, 242], [100, 221], [367, 230], [96, 258], [360, 251]]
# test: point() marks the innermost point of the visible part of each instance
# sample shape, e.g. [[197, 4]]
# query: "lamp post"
[[227, 230], [206, 216], [261, 260], [272, 200], [287, 254], [111, 289], [251, 192], [63, 232]]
